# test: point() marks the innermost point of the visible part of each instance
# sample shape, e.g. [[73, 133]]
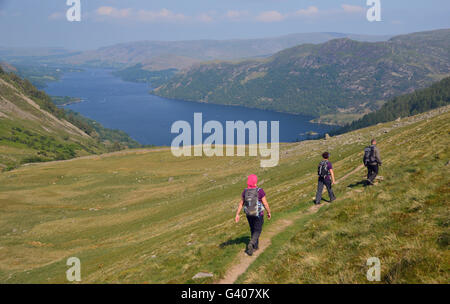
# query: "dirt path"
[[350, 173], [243, 261]]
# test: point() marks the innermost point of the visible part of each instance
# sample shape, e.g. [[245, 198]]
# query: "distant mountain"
[[339, 76], [420, 101], [162, 55], [33, 129], [31, 51]]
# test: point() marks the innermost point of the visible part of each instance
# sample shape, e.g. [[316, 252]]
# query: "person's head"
[[326, 155], [252, 180], [373, 142]]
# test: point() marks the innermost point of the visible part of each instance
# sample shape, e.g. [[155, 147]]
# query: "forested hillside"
[[341, 76], [406, 105]]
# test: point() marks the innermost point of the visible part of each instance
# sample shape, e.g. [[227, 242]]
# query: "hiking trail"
[[243, 261]]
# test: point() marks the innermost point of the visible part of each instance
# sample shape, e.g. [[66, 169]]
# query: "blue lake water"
[[128, 106]]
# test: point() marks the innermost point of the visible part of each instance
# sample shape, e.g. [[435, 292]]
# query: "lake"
[[128, 106]]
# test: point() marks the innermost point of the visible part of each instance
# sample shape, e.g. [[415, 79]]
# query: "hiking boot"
[[249, 250]]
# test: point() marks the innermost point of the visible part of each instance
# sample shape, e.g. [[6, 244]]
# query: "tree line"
[[420, 101]]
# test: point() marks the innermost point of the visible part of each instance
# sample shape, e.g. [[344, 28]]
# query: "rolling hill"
[[165, 55], [145, 216], [338, 77]]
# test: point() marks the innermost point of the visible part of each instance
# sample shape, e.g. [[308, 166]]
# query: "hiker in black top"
[[372, 162], [326, 177], [254, 202]]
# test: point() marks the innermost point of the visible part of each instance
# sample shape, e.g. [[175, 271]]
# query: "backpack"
[[252, 206], [322, 171], [369, 155]]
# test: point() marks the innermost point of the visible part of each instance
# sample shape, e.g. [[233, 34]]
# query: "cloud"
[[270, 16], [205, 18], [56, 16], [352, 8], [114, 12], [310, 11], [234, 15], [167, 16], [163, 15]]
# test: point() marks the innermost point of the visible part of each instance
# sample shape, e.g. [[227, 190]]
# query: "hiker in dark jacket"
[[253, 201], [373, 162], [326, 177]]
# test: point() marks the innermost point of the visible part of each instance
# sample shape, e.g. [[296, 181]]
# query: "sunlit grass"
[[146, 216]]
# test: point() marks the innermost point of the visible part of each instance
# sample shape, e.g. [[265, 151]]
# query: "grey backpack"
[[369, 155], [251, 205], [323, 171]]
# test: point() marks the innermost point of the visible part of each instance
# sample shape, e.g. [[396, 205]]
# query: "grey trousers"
[[256, 223], [321, 183]]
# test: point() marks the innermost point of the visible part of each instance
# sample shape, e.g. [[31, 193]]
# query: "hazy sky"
[[106, 22]]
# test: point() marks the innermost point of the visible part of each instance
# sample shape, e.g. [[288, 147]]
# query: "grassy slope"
[[27, 132], [403, 221], [33, 129], [128, 221]]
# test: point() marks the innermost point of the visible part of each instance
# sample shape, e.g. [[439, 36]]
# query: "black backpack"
[[369, 155], [323, 171], [251, 205]]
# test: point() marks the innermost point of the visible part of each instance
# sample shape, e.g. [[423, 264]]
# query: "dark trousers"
[[372, 172], [321, 183], [256, 224]]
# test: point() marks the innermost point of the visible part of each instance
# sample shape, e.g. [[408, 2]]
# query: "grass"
[[144, 216], [403, 221]]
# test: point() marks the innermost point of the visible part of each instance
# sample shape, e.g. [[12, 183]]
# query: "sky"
[[43, 23]]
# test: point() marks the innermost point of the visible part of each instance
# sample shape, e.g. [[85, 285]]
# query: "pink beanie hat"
[[252, 180]]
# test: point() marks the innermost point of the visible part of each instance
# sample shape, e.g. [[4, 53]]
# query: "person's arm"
[[333, 181], [266, 205], [241, 204]]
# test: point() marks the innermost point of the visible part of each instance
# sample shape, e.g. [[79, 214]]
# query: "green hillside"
[[33, 129], [341, 77], [145, 216], [137, 73], [420, 101]]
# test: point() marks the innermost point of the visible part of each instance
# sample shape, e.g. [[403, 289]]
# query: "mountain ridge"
[[338, 76], [163, 55]]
